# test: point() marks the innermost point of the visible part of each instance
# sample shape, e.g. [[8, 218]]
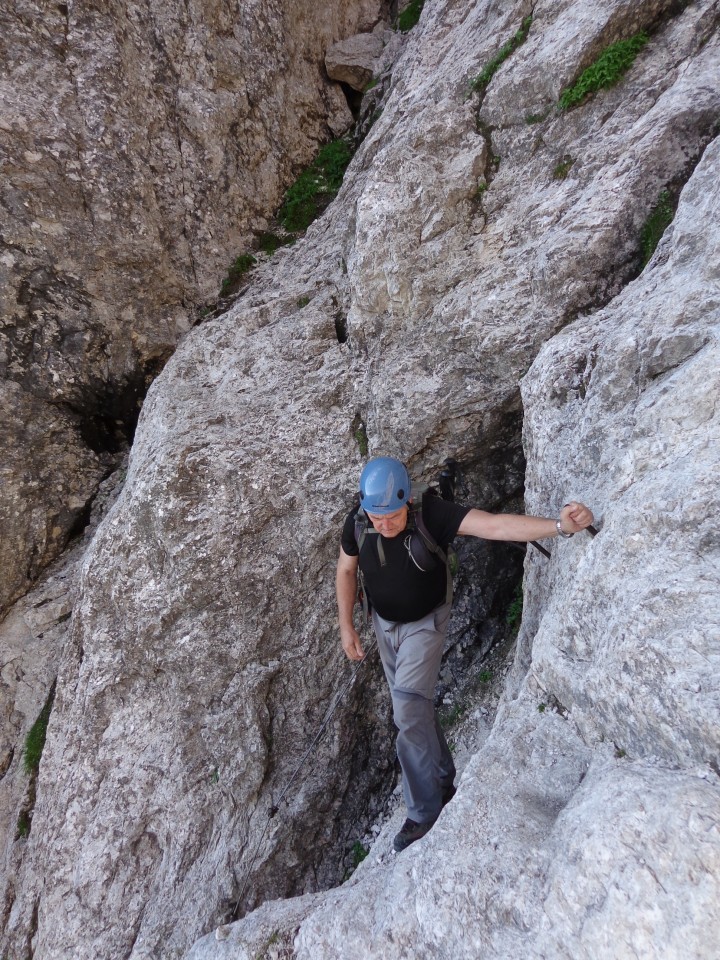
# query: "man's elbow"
[[478, 523]]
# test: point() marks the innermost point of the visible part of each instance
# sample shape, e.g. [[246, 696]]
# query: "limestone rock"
[[32, 638], [143, 148], [48, 477], [587, 825], [203, 656], [353, 61]]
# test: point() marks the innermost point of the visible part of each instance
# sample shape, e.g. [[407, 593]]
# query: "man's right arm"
[[346, 591]]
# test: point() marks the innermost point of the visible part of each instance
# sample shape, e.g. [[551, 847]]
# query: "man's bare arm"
[[574, 517], [346, 592]]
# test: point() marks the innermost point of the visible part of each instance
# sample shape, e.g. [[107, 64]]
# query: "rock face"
[[32, 638], [353, 61], [49, 475], [478, 236], [142, 147]]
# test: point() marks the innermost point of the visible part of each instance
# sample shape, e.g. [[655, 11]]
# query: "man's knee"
[[410, 707]]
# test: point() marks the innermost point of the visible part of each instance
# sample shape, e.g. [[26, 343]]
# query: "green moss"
[[563, 168], [514, 611], [237, 270], [358, 853], [606, 71], [35, 740], [660, 218], [315, 187], [303, 302], [270, 242], [449, 717], [362, 439], [410, 15], [481, 81], [537, 117], [23, 825]]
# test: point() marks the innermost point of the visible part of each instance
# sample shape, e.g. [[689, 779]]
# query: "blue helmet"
[[384, 486]]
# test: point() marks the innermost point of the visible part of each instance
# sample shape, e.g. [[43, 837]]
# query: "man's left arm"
[[573, 518]]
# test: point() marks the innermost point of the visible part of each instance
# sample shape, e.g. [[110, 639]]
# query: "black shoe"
[[409, 833], [448, 793]]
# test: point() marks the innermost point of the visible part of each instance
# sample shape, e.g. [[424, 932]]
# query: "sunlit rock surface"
[[143, 146], [458, 256]]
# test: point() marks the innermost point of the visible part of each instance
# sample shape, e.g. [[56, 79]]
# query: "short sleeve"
[[348, 541], [443, 518]]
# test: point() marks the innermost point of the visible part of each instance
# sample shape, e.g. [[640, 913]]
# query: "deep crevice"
[[107, 414], [353, 97], [341, 330]]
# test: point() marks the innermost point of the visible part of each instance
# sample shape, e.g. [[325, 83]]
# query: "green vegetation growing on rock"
[[537, 117], [606, 71], [35, 740], [315, 187], [358, 853], [270, 242], [655, 226], [410, 15], [480, 82], [563, 168], [514, 612], [361, 438], [238, 269]]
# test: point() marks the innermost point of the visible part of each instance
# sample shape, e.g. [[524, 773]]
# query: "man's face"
[[390, 524]]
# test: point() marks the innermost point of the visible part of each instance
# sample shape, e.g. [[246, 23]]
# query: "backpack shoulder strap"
[[431, 543], [361, 527]]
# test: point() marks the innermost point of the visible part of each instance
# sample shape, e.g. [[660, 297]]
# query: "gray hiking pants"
[[411, 654]]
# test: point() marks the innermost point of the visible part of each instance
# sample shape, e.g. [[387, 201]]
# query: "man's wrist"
[[561, 532]]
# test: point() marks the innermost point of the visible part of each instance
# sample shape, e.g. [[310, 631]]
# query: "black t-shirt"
[[399, 591]]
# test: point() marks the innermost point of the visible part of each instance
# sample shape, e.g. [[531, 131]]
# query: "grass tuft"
[[660, 218], [361, 438], [410, 15], [606, 71], [35, 740], [563, 168], [315, 187], [481, 81], [238, 269], [270, 242], [514, 611], [358, 853]]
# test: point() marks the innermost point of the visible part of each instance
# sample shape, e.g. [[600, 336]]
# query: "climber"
[[397, 549]]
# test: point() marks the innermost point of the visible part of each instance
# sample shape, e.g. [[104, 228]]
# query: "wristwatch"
[[561, 532]]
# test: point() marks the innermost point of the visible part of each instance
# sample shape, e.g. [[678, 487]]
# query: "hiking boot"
[[409, 833], [448, 793]]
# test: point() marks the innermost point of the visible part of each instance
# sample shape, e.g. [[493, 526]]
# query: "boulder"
[[354, 61]]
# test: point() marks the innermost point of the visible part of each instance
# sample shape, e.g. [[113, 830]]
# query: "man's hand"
[[350, 639], [575, 517]]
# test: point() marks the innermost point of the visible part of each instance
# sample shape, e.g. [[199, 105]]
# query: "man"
[[406, 588]]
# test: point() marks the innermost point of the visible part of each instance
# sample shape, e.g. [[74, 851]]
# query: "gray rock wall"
[[143, 145], [203, 652], [587, 825]]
